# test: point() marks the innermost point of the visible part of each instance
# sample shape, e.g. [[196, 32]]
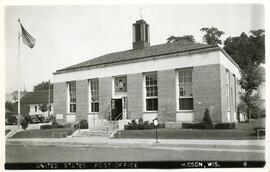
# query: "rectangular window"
[[185, 88], [228, 89], [72, 96], [94, 95], [234, 85], [151, 89]]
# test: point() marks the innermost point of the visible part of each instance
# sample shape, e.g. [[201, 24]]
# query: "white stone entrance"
[[93, 121]]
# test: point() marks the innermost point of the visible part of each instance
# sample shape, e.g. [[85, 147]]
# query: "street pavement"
[[139, 142], [103, 149], [91, 153]]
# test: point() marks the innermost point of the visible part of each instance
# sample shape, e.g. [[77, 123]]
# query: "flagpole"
[[19, 71]]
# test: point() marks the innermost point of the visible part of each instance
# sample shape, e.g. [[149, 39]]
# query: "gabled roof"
[[14, 96], [145, 53], [37, 97]]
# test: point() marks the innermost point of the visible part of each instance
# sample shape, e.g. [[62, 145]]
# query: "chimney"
[[140, 35]]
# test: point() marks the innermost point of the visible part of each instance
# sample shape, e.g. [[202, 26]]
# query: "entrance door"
[[117, 110]]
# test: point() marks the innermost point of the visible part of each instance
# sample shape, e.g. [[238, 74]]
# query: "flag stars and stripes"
[[27, 38]]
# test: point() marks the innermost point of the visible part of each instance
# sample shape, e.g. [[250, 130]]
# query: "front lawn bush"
[[56, 125], [42, 127], [83, 124], [24, 123], [205, 124], [193, 125], [142, 125], [207, 121], [225, 125]]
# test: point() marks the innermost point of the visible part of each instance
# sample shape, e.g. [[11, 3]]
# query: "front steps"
[[105, 125], [104, 129], [93, 134]]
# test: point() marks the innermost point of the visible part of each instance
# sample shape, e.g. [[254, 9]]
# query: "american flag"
[[27, 38]]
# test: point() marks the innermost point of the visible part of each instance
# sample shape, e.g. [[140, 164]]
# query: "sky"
[[67, 35]]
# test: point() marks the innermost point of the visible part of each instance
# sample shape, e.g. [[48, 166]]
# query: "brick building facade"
[[174, 82]]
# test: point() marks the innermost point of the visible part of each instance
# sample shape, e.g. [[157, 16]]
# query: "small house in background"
[[38, 102], [13, 97]]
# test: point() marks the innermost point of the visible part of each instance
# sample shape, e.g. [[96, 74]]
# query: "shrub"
[[193, 125], [207, 121], [51, 118], [142, 125], [45, 127], [56, 125], [225, 126], [83, 124], [131, 125], [133, 122], [24, 123]]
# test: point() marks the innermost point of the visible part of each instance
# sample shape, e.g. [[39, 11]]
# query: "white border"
[[4, 3]]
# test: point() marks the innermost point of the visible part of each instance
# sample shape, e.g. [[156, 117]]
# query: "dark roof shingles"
[[37, 97], [156, 50]]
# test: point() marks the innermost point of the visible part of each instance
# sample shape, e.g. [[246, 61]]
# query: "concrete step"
[[88, 133], [110, 125], [103, 129]]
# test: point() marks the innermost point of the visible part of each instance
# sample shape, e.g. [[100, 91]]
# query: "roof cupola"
[[140, 35]]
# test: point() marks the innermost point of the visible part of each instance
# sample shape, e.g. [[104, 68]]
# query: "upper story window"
[[94, 95], [151, 90], [72, 96], [185, 88]]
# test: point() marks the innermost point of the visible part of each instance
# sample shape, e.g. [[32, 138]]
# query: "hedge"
[[45, 127], [197, 126], [144, 126], [208, 126], [225, 125], [54, 125]]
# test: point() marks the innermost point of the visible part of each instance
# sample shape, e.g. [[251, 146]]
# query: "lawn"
[[45, 133], [178, 133]]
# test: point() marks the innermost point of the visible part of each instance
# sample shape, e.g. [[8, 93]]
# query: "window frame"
[[90, 92], [154, 88], [69, 103], [183, 83], [228, 91]]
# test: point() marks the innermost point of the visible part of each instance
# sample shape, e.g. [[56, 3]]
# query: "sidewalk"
[[75, 141]]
